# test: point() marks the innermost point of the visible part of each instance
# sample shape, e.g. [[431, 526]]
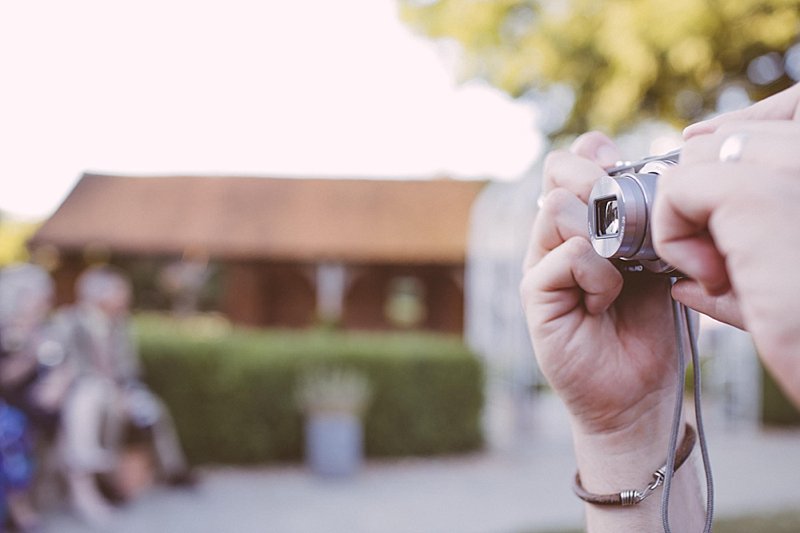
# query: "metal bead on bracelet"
[[629, 497], [632, 497]]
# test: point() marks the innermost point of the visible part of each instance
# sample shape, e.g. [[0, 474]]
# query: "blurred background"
[[322, 209]]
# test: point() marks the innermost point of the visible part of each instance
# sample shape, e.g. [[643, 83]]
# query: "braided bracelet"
[[632, 496]]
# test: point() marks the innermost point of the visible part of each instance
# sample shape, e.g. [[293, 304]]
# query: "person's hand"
[[719, 304], [782, 106], [732, 228], [50, 392], [606, 347]]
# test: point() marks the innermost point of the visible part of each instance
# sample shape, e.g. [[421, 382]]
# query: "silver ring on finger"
[[732, 147]]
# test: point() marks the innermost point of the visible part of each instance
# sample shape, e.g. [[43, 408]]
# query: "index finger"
[[782, 106], [773, 142], [724, 308], [687, 197], [577, 169]]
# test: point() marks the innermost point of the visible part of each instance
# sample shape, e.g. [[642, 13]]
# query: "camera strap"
[[685, 334]]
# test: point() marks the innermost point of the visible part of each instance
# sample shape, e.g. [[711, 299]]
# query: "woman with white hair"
[[32, 374], [33, 382]]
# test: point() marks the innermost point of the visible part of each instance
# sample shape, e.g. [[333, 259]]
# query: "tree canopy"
[[622, 60], [13, 235]]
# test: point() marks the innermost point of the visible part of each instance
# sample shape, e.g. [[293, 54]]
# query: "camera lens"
[[607, 217], [619, 213], [617, 216]]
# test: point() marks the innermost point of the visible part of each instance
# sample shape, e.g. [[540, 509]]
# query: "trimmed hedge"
[[232, 395], [776, 408]]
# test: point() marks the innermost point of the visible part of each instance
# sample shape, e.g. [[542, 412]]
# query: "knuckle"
[[690, 150], [667, 182], [556, 201], [553, 159], [577, 247], [729, 127], [527, 285], [589, 139]]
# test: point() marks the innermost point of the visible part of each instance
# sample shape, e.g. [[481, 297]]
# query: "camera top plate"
[[636, 166]]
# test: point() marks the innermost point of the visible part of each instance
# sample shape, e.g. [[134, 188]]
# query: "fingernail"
[[607, 155], [694, 129]]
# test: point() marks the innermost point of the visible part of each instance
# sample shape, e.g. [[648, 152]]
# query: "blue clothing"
[[16, 453], [16, 450]]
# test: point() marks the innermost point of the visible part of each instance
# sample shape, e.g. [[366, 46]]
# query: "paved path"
[[523, 488]]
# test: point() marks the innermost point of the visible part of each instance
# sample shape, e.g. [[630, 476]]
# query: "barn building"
[[364, 254]]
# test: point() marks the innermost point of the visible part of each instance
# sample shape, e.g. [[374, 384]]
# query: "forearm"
[[612, 463]]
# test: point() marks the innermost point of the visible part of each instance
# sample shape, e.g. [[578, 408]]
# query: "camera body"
[[620, 214]]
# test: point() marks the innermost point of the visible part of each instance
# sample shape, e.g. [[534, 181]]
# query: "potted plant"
[[333, 400]]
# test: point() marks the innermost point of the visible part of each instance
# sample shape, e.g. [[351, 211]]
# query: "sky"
[[270, 88]]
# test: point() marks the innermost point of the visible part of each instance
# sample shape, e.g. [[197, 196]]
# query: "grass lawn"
[[786, 522]]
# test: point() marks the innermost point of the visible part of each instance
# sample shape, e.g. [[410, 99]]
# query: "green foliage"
[[776, 408], [625, 60], [333, 390], [234, 399], [13, 235], [788, 522]]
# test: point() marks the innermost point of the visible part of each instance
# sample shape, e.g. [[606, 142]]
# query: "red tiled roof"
[[281, 219]]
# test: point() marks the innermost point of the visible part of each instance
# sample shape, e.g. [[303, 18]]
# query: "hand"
[[16, 368], [606, 347], [51, 391], [724, 307], [732, 228], [783, 106]]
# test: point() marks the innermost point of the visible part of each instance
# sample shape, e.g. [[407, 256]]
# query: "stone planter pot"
[[334, 444]]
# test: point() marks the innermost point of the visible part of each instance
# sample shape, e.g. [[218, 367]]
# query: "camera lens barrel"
[[619, 215], [631, 211]]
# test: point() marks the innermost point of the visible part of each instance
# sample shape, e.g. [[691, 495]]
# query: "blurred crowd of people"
[[71, 392]]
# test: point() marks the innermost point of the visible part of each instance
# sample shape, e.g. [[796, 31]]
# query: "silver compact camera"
[[619, 214]]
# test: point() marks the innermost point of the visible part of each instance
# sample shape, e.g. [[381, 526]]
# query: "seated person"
[[33, 383], [108, 395]]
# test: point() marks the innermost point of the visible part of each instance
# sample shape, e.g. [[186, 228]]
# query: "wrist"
[[609, 463], [642, 422], [624, 459]]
